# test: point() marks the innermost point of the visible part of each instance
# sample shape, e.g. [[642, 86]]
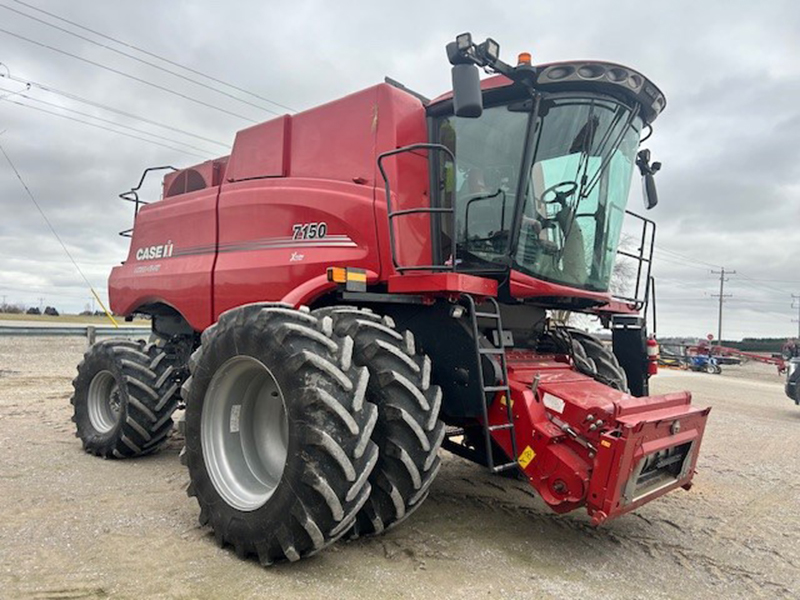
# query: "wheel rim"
[[244, 433], [104, 403]]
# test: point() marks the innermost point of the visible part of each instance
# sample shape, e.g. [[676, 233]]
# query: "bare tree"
[[624, 271]]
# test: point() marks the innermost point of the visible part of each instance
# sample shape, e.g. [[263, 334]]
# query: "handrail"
[[409, 211], [132, 195], [643, 257]]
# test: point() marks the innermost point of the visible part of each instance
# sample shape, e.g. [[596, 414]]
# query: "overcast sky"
[[729, 188]]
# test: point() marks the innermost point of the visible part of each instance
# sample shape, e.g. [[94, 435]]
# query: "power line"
[[83, 114], [794, 281], [99, 105], [55, 233], [136, 137], [157, 56], [123, 74], [671, 253], [137, 59], [681, 263], [53, 293], [685, 257], [768, 287]]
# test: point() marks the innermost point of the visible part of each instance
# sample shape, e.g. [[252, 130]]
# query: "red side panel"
[[263, 256], [401, 122], [442, 284], [276, 235], [525, 286], [297, 194], [171, 258], [261, 151], [336, 141]]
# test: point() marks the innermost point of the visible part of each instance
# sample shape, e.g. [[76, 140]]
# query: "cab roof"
[[585, 75]]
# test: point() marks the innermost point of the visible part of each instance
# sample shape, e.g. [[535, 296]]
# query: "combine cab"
[[362, 283]]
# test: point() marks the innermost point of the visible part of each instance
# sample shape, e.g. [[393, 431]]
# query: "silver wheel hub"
[[244, 433], [104, 403]]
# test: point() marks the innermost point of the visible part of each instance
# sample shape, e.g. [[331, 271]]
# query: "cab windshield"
[[576, 187]]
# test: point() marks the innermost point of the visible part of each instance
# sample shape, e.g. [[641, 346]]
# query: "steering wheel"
[[560, 197]]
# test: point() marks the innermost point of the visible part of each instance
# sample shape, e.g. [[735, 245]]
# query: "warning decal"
[[526, 457], [554, 403]]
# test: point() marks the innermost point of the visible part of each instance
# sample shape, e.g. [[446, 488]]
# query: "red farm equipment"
[[718, 353], [364, 282]]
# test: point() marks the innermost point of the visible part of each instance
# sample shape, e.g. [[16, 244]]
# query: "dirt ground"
[[75, 526]]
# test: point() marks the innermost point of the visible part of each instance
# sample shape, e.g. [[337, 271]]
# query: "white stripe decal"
[[331, 241], [280, 246]]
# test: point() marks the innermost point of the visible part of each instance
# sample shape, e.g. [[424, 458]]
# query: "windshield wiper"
[[632, 114], [586, 188]]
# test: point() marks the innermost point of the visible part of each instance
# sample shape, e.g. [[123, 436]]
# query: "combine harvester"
[[361, 283]]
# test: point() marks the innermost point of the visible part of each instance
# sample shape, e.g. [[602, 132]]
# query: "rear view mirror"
[[648, 181], [649, 190], [467, 97]]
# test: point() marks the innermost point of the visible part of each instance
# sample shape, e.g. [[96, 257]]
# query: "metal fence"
[[90, 332]]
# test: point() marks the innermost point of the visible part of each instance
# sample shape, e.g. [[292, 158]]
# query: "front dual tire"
[[278, 432]]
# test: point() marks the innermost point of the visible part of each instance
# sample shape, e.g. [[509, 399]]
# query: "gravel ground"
[[75, 526]]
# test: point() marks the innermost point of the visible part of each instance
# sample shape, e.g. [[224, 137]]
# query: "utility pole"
[[796, 300], [41, 304], [722, 295]]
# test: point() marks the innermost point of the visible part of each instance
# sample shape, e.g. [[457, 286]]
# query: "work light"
[[464, 42]]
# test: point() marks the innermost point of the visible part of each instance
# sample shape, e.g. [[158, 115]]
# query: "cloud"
[[729, 186]]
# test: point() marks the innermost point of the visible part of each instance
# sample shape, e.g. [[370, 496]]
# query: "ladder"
[[502, 386]]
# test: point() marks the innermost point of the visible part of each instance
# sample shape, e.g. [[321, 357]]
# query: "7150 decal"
[[309, 231]]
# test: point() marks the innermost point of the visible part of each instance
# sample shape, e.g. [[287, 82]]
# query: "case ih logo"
[[154, 252]]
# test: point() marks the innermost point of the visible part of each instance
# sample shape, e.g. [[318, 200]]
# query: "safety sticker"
[[526, 457], [553, 403], [236, 409], [503, 401]]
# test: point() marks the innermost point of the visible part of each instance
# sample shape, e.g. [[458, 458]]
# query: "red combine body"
[[372, 279]]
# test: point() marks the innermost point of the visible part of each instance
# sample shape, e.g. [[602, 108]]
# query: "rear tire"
[[408, 432], [277, 432], [125, 394]]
